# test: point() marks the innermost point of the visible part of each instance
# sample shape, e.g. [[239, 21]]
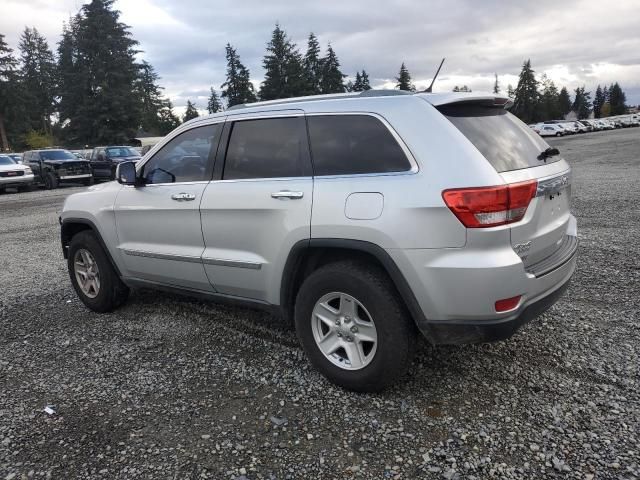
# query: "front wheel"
[[50, 181], [92, 275], [353, 326], [558, 134]]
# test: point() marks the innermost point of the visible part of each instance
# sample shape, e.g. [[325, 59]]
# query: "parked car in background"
[[104, 160], [14, 175], [54, 166], [363, 246], [535, 127], [550, 130], [17, 157]]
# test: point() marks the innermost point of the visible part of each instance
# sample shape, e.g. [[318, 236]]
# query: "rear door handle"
[[287, 194], [181, 197]]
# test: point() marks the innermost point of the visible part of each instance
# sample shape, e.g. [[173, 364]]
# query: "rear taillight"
[[483, 207]]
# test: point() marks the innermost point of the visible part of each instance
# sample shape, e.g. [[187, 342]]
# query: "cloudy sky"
[[575, 42]]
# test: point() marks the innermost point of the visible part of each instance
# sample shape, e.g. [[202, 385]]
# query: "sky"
[[573, 42]]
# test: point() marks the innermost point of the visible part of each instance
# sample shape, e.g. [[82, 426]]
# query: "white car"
[[550, 130], [13, 174]]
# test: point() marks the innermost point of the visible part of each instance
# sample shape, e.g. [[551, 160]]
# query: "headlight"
[[28, 171]]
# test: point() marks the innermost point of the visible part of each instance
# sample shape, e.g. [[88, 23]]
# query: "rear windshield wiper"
[[549, 152]]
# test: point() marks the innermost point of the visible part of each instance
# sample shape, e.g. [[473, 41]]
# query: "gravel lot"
[[169, 387]]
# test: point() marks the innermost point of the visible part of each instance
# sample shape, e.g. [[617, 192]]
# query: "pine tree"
[[404, 79], [99, 104], [167, 120], [564, 102], [463, 88], [496, 85], [214, 105], [38, 78], [617, 100], [549, 100], [582, 103], [357, 84], [598, 101], [284, 76], [332, 77], [313, 66], [151, 101], [8, 88], [191, 112], [364, 78], [349, 87], [526, 100], [237, 88]]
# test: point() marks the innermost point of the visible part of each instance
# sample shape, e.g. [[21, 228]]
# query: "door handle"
[[287, 194], [180, 197]]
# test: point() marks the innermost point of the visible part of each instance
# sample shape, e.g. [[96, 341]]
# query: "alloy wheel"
[[87, 273]]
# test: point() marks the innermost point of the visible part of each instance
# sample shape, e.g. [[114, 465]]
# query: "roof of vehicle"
[[435, 99]]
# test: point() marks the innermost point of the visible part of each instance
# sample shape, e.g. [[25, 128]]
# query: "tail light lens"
[[484, 207], [507, 304]]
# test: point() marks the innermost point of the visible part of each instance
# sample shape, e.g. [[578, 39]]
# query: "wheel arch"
[[307, 255], [69, 227]]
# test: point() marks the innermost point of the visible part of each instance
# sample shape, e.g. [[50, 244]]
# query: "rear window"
[[506, 142], [353, 144]]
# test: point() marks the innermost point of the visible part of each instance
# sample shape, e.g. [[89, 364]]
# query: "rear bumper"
[[452, 333]]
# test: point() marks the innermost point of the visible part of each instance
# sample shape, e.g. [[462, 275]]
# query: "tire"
[[558, 134], [50, 181], [372, 289], [111, 292]]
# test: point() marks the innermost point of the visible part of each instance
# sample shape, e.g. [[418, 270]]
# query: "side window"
[[353, 144], [186, 158], [267, 148]]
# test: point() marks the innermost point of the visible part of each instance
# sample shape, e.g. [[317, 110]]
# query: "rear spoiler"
[[483, 99]]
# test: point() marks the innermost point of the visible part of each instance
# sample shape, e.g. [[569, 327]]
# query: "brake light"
[[482, 207]]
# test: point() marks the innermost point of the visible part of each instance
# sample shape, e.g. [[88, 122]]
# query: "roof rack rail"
[[330, 96]]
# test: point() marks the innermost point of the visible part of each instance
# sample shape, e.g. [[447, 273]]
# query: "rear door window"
[[267, 148], [353, 144], [506, 142]]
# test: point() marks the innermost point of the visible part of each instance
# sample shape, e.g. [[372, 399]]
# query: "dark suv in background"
[[54, 166], [104, 160]]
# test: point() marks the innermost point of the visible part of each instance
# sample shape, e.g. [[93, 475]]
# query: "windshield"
[[5, 160], [57, 155], [506, 142], [121, 152]]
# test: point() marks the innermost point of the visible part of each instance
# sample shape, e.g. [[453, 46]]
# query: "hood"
[[16, 167], [66, 162]]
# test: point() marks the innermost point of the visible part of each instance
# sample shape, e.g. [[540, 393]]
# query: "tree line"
[[537, 100], [91, 90]]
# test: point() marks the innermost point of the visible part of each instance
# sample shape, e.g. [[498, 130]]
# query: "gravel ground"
[[169, 387]]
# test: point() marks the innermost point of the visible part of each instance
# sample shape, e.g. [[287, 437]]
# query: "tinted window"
[[61, 155], [269, 148], [186, 158], [505, 141], [121, 152], [352, 144]]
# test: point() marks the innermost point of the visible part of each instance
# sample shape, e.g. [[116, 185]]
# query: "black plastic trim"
[[94, 228], [561, 256]]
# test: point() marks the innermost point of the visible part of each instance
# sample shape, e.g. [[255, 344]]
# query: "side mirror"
[[126, 173]]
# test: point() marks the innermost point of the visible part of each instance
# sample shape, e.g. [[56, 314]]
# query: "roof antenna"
[[430, 87]]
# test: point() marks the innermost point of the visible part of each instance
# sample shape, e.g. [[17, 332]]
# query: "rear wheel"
[[92, 275], [353, 326], [558, 134], [50, 181]]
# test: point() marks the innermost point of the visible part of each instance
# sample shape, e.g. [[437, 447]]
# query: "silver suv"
[[363, 217]]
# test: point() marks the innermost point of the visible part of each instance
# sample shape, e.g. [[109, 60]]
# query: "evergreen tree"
[[605, 94], [564, 102], [38, 69], [312, 64], [332, 78], [151, 101], [525, 103], [284, 76], [496, 85], [8, 91], [598, 101], [214, 105], [617, 100], [404, 79], [582, 103], [98, 99], [463, 88], [364, 78], [167, 120], [237, 88], [349, 87], [357, 84], [191, 112], [549, 100]]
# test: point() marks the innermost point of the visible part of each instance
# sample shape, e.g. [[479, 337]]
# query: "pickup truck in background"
[[104, 160]]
